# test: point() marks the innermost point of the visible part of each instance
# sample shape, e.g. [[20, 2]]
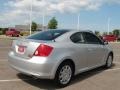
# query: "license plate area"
[[21, 49]]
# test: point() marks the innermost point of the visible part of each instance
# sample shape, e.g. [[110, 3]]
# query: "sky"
[[93, 14]]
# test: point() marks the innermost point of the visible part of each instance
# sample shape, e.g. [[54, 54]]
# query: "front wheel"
[[109, 61], [64, 74]]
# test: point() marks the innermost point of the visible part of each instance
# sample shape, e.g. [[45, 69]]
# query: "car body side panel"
[[95, 54], [75, 52]]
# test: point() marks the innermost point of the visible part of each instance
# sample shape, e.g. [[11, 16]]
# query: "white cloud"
[[18, 10]]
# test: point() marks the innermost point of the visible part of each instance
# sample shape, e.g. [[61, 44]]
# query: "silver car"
[[59, 54]]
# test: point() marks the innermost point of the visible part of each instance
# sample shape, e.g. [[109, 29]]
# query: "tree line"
[[115, 32], [52, 24]]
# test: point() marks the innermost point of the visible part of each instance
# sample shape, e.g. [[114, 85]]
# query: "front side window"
[[91, 39]]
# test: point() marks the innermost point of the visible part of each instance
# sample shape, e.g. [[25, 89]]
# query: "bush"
[[24, 33], [4, 30], [1, 33]]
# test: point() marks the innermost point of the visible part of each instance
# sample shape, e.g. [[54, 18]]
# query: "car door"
[[80, 51], [95, 50]]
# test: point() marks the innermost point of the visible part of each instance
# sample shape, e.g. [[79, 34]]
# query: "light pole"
[[31, 8], [43, 20], [78, 22], [108, 26], [31, 11]]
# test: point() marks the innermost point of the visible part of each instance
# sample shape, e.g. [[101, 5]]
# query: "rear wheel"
[[17, 35], [12, 35], [109, 61], [64, 74]]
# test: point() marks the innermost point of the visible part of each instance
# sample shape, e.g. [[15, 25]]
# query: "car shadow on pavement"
[[88, 74], [49, 84]]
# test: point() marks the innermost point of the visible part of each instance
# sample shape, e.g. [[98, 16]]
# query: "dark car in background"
[[12, 32], [118, 38]]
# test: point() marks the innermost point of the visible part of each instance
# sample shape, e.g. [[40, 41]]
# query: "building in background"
[[27, 27]]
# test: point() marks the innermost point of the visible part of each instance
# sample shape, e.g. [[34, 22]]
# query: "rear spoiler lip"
[[33, 40]]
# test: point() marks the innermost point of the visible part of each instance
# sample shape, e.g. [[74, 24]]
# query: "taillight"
[[43, 50]]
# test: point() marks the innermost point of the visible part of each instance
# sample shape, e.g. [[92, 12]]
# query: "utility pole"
[[43, 21], [31, 8], [108, 26], [78, 22], [43, 17]]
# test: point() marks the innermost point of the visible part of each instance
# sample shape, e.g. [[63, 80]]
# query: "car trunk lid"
[[25, 48]]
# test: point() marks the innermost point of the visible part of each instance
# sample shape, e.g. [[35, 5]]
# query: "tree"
[[110, 33], [4, 30], [34, 26], [53, 23], [0, 29], [97, 33], [104, 33], [116, 32]]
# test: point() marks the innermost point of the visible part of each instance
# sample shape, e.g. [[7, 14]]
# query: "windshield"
[[47, 35]]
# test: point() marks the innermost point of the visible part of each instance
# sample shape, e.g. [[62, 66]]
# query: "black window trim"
[[78, 42]]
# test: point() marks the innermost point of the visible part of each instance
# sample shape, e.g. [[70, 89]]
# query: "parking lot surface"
[[97, 79]]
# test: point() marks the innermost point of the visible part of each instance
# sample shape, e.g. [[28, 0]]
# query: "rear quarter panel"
[[63, 51]]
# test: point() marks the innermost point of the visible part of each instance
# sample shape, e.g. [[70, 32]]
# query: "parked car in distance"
[[59, 54], [12, 32], [118, 39], [110, 38]]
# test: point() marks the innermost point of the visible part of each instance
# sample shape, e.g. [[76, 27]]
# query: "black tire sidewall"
[[107, 61]]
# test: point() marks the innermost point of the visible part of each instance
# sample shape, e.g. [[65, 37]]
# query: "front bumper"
[[39, 67]]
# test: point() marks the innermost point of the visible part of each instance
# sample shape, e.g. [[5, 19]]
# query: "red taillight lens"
[[43, 50]]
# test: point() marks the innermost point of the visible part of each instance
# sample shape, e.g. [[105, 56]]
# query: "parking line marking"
[[116, 62], [17, 80], [3, 60], [113, 69], [14, 80], [117, 55], [4, 47]]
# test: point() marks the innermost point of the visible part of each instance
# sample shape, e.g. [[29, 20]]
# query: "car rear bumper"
[[36, 66]]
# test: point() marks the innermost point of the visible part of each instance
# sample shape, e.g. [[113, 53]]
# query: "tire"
[[109, 61], [17, 35], [12, 35], [64, 74]]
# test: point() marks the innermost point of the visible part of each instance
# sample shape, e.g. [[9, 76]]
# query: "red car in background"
[[110, 38], [12, 32]]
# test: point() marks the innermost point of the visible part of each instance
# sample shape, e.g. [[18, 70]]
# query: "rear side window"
[[47, 35], [91, 39], [77, 38]]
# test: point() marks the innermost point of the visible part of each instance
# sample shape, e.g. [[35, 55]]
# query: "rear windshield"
[[47, 35]]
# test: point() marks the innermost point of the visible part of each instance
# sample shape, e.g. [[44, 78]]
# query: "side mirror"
[[105, 43]]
